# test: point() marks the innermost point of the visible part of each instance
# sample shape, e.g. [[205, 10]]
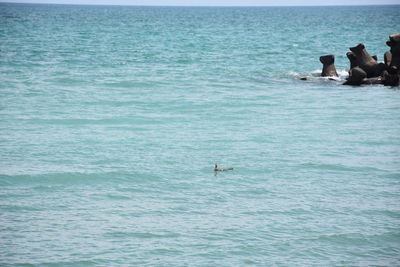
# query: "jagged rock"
[[364, 60], [356, 76], [353, 61], [364, 68]]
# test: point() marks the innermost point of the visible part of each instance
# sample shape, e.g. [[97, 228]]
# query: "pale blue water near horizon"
[[112, 117]]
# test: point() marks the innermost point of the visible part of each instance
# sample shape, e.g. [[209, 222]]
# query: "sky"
[[214, 2]]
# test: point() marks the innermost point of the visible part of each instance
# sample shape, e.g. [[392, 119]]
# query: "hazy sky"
[[214, 2]]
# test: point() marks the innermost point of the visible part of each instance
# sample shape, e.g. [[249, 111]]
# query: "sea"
[[113, 117]]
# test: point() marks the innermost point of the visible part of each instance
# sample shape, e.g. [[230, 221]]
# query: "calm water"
[[111, 119]]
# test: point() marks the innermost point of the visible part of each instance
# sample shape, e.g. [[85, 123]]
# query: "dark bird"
[[216, 169]]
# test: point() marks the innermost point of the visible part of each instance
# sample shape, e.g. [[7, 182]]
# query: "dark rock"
[[393, 70], [395, 38], [364, 68], [394, 43], [352, 57], [356, 76], [387, 57], [328, 63], [390, 79], [366, 62]]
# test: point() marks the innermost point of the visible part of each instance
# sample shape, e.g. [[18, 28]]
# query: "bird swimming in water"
[[216, 169]]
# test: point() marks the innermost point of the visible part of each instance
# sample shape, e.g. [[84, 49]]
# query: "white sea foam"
[[315, 75]]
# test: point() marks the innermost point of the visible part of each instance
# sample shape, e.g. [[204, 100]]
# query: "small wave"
[[344, 239], [293, 74], [142, 235], [129, 84], [329, 167], [343, 73], [315, 75], [392, 175], [117, 197]]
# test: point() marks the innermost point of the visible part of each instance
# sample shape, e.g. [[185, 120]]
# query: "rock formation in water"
[[391, 75], [328, 68], [365, 69], [367, 62], [356, 76]]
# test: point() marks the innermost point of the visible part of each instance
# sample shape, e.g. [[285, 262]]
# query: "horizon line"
[[135, 5]]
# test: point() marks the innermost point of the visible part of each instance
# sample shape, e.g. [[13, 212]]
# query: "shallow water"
[[112, 119]]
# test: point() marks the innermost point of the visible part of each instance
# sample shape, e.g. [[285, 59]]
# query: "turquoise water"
[[111, 120]]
